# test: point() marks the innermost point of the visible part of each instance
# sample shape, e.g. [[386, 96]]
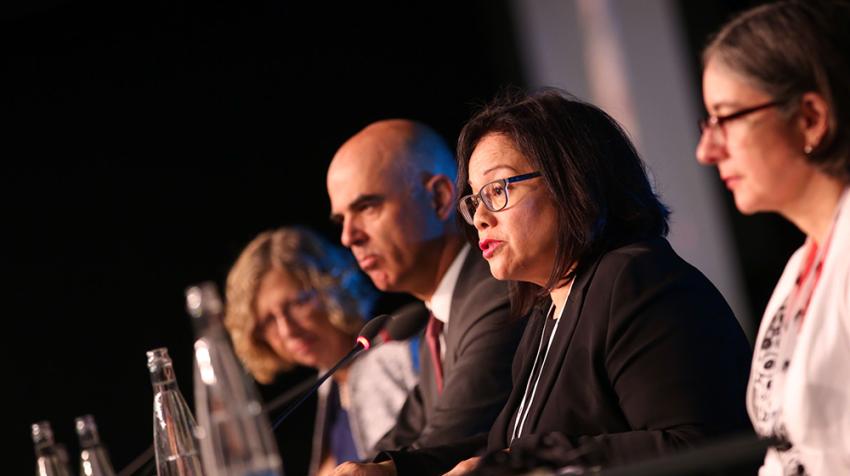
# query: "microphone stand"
[[356, 350]]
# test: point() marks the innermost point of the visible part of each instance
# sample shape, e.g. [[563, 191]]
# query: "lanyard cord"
[[807, 280], [522, 413]]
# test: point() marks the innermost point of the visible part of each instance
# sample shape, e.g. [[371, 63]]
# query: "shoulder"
[[644, 263], [648, 282], [392, 352], [390, 362]]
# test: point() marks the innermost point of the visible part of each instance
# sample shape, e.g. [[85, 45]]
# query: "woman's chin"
[[498, 271], [304, 356], [745, 204], [307, 361]]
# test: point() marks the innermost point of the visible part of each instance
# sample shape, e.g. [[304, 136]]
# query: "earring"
[[808, 149]]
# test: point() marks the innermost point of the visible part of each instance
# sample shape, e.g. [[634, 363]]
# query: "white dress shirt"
[[440, 303]]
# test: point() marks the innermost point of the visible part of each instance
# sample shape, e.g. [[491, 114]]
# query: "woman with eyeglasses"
[[295, 299], [629, 352], [775, 82]]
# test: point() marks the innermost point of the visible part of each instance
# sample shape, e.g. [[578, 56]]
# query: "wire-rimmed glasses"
[[493, 195]]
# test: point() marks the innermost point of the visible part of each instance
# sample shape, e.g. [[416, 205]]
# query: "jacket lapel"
[[474, 269], [560, 344]]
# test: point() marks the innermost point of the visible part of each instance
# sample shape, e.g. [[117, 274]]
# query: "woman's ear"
[[442, 192], [814, 117]]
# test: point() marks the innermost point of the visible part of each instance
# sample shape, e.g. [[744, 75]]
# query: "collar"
[[440, 303]]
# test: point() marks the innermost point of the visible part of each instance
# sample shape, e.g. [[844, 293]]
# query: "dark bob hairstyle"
[[591, 170]]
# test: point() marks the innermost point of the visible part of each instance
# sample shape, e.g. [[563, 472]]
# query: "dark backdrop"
[[153, 140], [148, 142]]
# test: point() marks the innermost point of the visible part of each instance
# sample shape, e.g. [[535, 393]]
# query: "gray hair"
[[790, 48]]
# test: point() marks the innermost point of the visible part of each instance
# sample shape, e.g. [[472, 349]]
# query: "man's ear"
[[441, 190]]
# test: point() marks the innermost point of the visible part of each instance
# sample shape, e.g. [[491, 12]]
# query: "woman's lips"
[[731, 181], [489, 247]]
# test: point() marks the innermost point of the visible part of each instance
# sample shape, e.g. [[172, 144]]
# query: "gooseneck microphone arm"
[[369, 331], [356, 350]]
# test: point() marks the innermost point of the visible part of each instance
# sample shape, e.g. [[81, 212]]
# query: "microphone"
[[364, 342], [404, 324]]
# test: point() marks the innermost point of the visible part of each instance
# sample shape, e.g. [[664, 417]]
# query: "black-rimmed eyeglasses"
[[713, 121], [493, 195]]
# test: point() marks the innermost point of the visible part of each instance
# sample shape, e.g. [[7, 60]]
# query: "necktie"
[[432, 338]]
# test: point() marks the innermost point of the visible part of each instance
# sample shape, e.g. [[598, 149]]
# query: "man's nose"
[[352, 234]]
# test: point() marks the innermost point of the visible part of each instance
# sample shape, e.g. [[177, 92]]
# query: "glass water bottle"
[[48, 459], [94, 461], [238, 439], [175, 441]]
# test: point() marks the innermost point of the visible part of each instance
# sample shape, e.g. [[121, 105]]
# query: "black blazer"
[[481, 339], [648, 358]]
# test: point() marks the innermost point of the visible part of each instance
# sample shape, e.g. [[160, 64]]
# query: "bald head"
[[392, 190], [400, 148]]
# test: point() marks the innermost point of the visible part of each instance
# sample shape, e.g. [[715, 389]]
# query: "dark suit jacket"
[[481, 339], [648, 358]]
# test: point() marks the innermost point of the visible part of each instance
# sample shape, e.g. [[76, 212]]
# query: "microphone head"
[[371, 329], [407, 321]]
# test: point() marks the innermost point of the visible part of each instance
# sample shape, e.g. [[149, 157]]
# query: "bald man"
[[392, 189]]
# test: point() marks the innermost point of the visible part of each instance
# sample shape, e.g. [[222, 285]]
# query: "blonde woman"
[[295, 299]]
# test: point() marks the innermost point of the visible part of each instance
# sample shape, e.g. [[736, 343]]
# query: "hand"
[[464, 467], [384, 468]]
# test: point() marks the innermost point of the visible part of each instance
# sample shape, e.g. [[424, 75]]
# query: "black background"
[[148, 142]]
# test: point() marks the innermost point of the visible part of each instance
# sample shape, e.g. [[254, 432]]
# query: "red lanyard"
[[812, 268]]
